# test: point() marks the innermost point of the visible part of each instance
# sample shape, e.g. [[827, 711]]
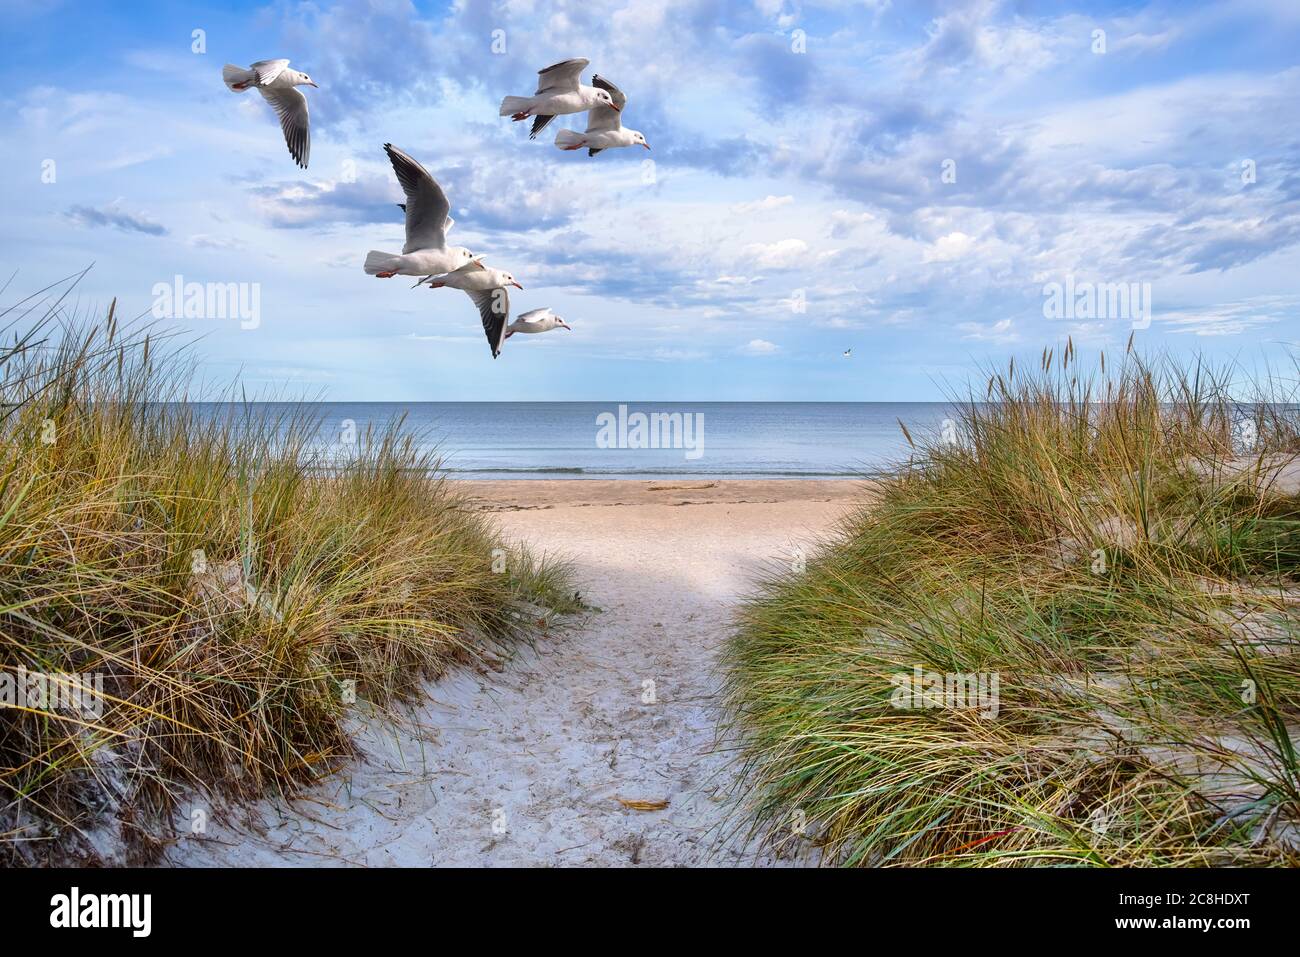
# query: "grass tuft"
[[230, 593], [1121, 553]]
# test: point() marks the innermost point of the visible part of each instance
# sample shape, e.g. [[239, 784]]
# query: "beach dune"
[[599, 747]]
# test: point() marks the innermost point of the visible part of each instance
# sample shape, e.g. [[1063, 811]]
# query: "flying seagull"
[[487, 288], [559, 90], [276, 82], [604, 125], [536, 320], [848, 352], [426, 251]]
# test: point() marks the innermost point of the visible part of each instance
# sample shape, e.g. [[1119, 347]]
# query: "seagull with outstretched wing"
[[604, 125], [277, 84], [487, 288], [426, 251], [535, 321], [494, 310], [560, 91]]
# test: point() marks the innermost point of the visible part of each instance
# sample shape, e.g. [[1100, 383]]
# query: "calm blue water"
[[494, 440]]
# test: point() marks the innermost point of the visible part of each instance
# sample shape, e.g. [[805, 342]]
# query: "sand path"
[[525, 765]]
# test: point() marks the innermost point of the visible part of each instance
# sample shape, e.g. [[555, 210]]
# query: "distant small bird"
[[536, 320], [487, 288], [604, 125], [276, 82], [426, 251], [847, 353], [559, 91]]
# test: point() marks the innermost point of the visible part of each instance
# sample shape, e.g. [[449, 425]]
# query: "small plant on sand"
[[234, 599], [1107, 549]]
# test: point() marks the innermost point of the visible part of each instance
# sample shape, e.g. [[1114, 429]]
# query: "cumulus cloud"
[[949, 248], [972, 36], [782, 254], [759, 347], [489, 194], [925, 145], [844, 223]]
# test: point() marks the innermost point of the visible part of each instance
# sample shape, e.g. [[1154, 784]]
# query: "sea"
[[634, 440]]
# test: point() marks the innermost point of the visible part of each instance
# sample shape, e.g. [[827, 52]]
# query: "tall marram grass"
[[228, 594], [1095, 540]]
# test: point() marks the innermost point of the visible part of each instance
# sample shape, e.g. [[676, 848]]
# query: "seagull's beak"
[[566, 326], [646, 145], [516, 285], [310, 83]]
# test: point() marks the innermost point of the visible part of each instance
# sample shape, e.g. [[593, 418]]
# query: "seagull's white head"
[[509, 280], [302, 79], [604, 99], [562, 324], [638, 139]]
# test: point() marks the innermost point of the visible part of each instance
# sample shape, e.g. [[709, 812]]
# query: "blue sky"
[[799, 153]]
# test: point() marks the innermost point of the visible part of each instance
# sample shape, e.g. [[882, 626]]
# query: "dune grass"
[[1120, 552], [233, 599]]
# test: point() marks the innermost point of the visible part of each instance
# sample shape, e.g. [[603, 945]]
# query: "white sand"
[[525, 765]]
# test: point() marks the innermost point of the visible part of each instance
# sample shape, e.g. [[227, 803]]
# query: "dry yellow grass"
[[1094, 542], [236, 603]]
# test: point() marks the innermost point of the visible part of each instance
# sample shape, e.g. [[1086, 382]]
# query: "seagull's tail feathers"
[[569, 139], [237, 78], [515, 104], [377, 262]]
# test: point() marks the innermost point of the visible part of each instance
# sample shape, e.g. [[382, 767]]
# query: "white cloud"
[[1229, 318], [738, 280], [970, 38], [759, 347], [1104, 171], [758, 205], [949, 248], [843, 223], [783, 254], [999, 331]]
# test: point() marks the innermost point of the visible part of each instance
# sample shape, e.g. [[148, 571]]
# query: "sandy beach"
[[528, 763]]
